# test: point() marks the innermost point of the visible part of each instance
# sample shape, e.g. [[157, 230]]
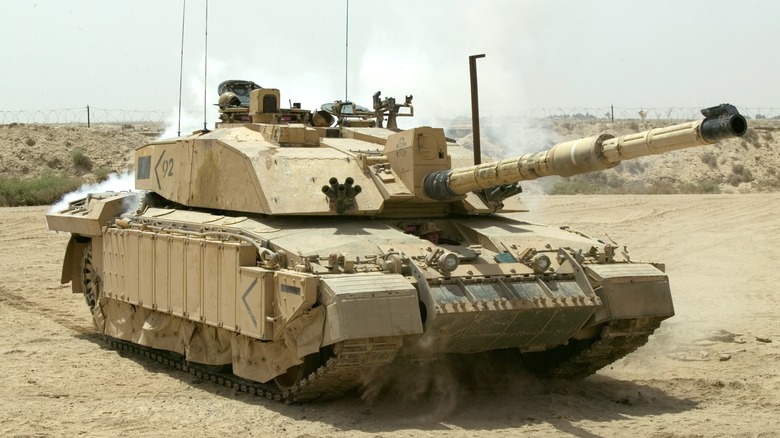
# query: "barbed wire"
[[102, 115], [86, 115]]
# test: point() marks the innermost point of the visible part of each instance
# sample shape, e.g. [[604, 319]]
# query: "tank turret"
[[586, 155], [293, 162]]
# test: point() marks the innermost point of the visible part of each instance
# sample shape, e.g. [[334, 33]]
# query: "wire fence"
[[87, 115]]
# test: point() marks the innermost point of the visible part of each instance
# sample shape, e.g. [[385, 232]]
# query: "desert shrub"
[[594, 184], [80, 158], [54, 163], [661, 187], [706, 186], [570, 188], [578, 185], [101, 173], [710, 186], [747, 175], [634, 167], [751, 137], [742, 171], [770, 183], [740, 174], [40, 191], [709, 159]]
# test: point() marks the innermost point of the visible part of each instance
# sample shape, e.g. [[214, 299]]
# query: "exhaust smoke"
[[115, 182]]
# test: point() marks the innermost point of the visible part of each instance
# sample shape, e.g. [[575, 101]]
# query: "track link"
[[618, 338], [339, 374]]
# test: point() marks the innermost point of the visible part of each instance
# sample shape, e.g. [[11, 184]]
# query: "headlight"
[[540, 263], [448, 262]]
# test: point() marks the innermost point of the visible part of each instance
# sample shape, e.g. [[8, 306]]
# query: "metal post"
[[87, 116], [346, 57], [475, 107], [181, 63], [612, 111]]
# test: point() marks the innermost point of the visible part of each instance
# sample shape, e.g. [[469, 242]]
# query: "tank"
[[290, 253]]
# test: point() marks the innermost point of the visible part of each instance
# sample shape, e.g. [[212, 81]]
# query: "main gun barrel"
[[587, 154]]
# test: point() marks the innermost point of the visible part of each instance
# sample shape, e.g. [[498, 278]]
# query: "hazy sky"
[[540, 54]]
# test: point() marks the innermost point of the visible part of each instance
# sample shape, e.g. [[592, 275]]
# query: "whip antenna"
[[181, 62], [205, 65], [346, 58]]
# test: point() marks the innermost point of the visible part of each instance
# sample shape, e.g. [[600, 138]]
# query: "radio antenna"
[[205, 65], [181, 62], [346, 57]]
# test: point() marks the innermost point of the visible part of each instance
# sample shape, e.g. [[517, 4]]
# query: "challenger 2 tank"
[[288, 252]]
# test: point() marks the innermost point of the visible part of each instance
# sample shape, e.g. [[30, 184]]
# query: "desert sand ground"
[[712, 370]]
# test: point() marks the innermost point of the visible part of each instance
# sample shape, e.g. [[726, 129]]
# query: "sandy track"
[[709, 371]]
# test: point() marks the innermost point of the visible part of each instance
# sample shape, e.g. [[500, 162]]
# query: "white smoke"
[[191, 117], [189, 122], [518, 136], [114, 183]]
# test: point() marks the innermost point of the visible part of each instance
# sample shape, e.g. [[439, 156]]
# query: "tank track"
[[618, 338], [339, 374]]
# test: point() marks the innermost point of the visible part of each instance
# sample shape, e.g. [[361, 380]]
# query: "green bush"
[[101, 173], [705, 186], [80, 158], [660, 187], [41, 191]]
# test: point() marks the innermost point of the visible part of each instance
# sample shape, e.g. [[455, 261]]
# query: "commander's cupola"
[[246, 102]]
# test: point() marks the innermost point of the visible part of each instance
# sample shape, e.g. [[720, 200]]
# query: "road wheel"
[[90, 281]]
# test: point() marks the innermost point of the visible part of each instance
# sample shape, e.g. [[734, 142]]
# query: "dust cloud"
[[432, 390], [431, 384]]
